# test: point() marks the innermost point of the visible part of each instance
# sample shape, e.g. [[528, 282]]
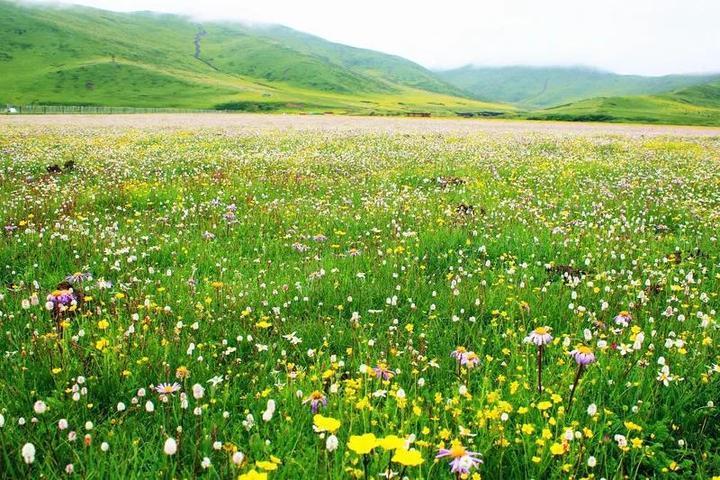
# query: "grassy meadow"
[[696, 105], [181, 304]]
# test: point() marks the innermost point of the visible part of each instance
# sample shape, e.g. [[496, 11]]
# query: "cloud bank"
[[650, 37]]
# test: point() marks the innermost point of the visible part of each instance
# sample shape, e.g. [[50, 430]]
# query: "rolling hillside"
[[696, 105], [389, 67], [541, 87], [84, 56], [72, 55]]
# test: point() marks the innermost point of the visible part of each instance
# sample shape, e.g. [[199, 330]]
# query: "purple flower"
[[623, 319], [299, 247], [469, 359], [167, 388], [540, 336], [381, 371], [465, 358], [458, 353], [316, 400], [78, 277], [462, 460], [583, 355], [60, 300]]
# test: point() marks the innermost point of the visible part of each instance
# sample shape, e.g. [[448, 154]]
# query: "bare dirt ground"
[[239, 123]]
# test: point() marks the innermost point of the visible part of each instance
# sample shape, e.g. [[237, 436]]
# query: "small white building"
[[11, 110]]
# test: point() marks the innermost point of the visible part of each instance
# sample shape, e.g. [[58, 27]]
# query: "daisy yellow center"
[[457, 451], [583, 349], [541, 330], [168, 389], [316, 395]]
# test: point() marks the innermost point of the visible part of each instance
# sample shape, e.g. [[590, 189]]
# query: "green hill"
[[390, 67], [696, 105], [71, 55], [541, 87], [84, 56]]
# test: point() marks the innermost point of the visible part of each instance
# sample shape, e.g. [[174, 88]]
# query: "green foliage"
[[251, 106]]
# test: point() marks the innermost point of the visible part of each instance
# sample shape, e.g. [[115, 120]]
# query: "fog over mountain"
[[646, 37]]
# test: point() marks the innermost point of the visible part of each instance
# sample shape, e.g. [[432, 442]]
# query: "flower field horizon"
[[287, 305]]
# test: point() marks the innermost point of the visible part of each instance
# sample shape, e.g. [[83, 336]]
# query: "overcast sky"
[[650, 37]]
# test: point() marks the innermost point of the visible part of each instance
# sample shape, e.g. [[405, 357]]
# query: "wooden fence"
[[89, 109]]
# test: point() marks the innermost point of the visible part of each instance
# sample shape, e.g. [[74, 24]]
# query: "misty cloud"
[[626, 36]]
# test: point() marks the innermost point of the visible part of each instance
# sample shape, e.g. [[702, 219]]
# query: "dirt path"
[[239, 123], [196, 41]]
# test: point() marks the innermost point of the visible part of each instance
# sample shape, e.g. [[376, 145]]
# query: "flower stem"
[[539, 367], [580, 370]]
